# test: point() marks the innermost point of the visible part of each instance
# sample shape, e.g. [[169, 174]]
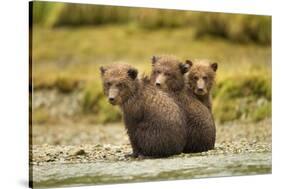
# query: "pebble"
[[80, 152], [231, 139]]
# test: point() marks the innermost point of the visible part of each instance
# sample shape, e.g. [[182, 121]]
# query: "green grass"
[[68, 59], [245, 95], [98, 45], [41, 116], [235, 27]]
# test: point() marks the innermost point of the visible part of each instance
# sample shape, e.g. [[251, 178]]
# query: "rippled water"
[[55, 175]]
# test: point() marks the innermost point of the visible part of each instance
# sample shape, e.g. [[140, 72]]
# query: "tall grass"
[[243, 96], [41, 11], [240, 28]]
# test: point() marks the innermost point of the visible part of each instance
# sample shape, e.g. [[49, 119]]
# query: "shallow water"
[[178, 167]]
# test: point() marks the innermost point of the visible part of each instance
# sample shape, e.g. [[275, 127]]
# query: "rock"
[[107, 147], [118, 151], [50, 160], [79, 152]]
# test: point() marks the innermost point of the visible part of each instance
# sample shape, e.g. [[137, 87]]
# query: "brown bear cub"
[[168, 75], [200, 80], [155, 124]]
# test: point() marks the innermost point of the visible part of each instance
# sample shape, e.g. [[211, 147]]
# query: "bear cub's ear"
[[154, 59], [102, 70], [184, 68], [214, 66], [189, 62], [132, 73]]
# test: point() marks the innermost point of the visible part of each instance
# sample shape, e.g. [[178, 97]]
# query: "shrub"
[[246, 97], [236, 27], [262, 111]]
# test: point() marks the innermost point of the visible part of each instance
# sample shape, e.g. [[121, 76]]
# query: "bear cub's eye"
[[167, 74], [195, 77], [205, 77], [157, 71], [108, 84], [119, 84]]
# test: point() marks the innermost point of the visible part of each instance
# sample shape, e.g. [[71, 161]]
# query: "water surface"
[[179, 167]]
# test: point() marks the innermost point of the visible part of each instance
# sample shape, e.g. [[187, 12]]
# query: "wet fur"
[[201, 68], [155, 124], [200, 128]]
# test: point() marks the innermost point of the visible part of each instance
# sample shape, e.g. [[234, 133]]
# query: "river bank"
[[90, 143], [70, 155]]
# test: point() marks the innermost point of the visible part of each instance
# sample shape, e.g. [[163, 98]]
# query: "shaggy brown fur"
[[200, 80], [154, 122], [200, 127], [167, 73]]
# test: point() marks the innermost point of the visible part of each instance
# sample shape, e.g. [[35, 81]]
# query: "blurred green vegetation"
[[68, 50], [244, 96], [235, 27]]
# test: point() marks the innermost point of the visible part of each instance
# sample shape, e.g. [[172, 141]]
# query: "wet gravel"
[[105, 143]]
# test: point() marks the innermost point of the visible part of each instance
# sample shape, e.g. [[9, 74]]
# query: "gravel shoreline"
[[87, 143]]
